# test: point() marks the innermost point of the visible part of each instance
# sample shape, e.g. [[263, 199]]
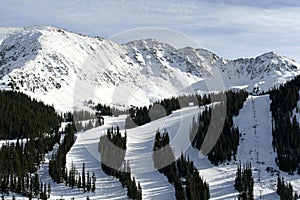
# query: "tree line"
[[106, 110], [84, 180], [57, 163], [244, 182], [285, 190], [112, 147], [84, 126], [285, 127], [83, 115], [84, 120], [19, 116], [181, 172], [38, 124], [59, 172], [226, 146], [138, 116], [18, 166]]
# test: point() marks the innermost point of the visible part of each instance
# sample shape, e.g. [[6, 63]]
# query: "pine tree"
[[88, 187], [83, 177], [93, 182], [139, 192], [79, 182], [36, 184], [238, 179], [49, 190]]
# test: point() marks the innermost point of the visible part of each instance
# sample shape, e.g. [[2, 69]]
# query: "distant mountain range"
[[48, 63]]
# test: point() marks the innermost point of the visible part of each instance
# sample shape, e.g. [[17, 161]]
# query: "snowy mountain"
[[65, 69], [62, 68]]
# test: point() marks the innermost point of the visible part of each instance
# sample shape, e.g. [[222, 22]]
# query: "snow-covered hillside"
[[62, 68], [254, 122]]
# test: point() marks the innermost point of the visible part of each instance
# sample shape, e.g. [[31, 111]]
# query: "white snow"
[[64, 68]]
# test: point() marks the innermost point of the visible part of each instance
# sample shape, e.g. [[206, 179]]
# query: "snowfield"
[[254, 146]]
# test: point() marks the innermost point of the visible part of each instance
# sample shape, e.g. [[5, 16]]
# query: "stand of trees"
[[139, 116], [82, 126], [83, 115], [72, 178], [18, 166], [38, 124], [105, 110], [86, 181], [244, 182], [227, 144], [84, 120], [285, 128], [19, 116], [112, 147], [57, 164], [181, 173], [285, 190]]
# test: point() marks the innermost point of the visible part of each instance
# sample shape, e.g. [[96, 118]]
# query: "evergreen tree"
[[83, 177], [88, 186], [79, 182], [244, 182], [139, 192], [49, 190], [138, 116], [93, 182]]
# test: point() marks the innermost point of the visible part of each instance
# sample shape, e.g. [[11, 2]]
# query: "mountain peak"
[[45, 61], [269, 54]]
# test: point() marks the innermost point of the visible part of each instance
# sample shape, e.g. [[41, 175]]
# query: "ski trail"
[[85, 149], [140, 145]]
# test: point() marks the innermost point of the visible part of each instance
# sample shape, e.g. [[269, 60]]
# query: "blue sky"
[[230, 28]]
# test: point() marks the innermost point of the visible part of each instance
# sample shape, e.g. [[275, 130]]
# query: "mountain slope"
[[62, 68]]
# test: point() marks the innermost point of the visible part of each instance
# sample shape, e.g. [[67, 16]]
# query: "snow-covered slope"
[[50, 64], [254, 122]]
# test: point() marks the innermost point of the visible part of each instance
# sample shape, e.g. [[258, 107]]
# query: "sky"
[[229, 28]]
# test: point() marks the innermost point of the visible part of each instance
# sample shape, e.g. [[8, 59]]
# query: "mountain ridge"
[[47, 63]]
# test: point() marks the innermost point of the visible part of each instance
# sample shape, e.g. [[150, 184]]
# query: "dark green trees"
[[57, 164], [22, 117], [285, 128], [18, 168], [244, 182], [285, 190], [112, 147], [181, 173], [103, 109], [227, 144], [19, 116], [58, 170], [141, 115]]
